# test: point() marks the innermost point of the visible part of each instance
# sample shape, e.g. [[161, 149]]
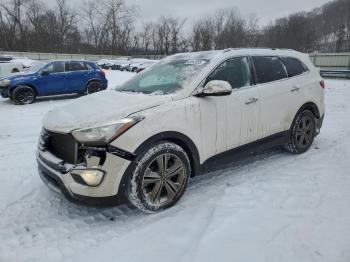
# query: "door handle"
[[252, 101], [295, 89]]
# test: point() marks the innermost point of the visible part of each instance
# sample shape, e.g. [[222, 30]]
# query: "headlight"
[[5, 82], [105, 134]]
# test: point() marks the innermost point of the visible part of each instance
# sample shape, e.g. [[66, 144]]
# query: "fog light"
[[89, 177]]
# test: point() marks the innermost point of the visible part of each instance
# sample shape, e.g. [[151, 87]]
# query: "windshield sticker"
[[195, 62]]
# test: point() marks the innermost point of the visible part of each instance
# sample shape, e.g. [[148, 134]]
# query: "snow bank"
[[116, 78]]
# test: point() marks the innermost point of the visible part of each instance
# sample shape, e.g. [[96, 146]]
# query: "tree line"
[[113, 27]]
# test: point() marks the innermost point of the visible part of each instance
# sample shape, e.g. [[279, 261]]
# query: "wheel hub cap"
[[163, 179], [304, 132]]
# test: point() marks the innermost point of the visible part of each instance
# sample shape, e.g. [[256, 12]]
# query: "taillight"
[[103, 72], [322, 84]]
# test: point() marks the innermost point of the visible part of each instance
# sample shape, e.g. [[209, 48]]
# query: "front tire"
[[302, 133], [159, 178], [23, 95]]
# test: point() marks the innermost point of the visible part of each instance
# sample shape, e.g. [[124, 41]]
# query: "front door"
[[230, 121], [53, 79]]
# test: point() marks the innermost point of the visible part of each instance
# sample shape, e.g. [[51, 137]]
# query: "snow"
[[24, 61], [269, 207], [108, 107], [116, 78]]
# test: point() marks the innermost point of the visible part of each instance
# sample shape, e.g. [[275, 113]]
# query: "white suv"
[[147, 138]]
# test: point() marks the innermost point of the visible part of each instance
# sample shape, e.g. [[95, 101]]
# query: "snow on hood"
[[18, 76], [99, 109]]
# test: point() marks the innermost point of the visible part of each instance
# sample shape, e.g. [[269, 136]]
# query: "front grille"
[[62, 146]]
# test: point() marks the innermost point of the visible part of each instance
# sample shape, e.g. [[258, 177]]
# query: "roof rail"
[[267, 48], [227, 50]]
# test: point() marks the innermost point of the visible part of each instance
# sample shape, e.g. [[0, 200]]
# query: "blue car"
[[54, 78]]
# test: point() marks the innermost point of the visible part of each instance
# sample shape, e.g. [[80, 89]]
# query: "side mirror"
[[216, 88], [45, 73]]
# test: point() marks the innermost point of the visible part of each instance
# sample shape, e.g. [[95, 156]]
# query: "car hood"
[[18, 76], [99, 109]]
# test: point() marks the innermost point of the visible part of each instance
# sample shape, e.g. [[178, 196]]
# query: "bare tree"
[[146, 37], [253, 31], [225, 29], [66, 20], [109, 26], [13, 11], [203, 35], [121, 23], [176, 26], [97, 20]]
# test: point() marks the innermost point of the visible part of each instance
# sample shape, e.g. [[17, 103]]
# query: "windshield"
[[166, 77]]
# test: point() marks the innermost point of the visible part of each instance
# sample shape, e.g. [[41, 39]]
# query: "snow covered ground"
[[270, 207]]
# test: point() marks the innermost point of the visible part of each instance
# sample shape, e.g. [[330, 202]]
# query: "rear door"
[[52, 80], [275, 89], [299, 80], [77, 75]]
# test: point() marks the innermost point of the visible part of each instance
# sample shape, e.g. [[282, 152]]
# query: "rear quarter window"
[[90, 67], [294, 66], [269, 69]]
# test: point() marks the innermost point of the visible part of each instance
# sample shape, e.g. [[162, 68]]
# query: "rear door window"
[[89, 67], [268, 69], [294, 66], [75, 66]]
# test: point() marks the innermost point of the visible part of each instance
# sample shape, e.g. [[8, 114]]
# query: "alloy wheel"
[[305, 132], [93, 88], [163, 179], [26, 97]]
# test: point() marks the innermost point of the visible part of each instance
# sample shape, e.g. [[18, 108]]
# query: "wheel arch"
[[177, 138], [307, 106], [312, 107], [93, 80], [24, 84]]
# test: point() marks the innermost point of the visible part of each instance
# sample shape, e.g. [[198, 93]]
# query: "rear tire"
[[93, 87], [23, 95], [302, 133], [159, 178]]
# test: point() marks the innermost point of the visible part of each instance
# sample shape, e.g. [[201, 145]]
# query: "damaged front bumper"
[[4, 92], [65, 178]]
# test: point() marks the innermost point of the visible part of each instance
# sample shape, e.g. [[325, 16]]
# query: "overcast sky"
[[267, 10]]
